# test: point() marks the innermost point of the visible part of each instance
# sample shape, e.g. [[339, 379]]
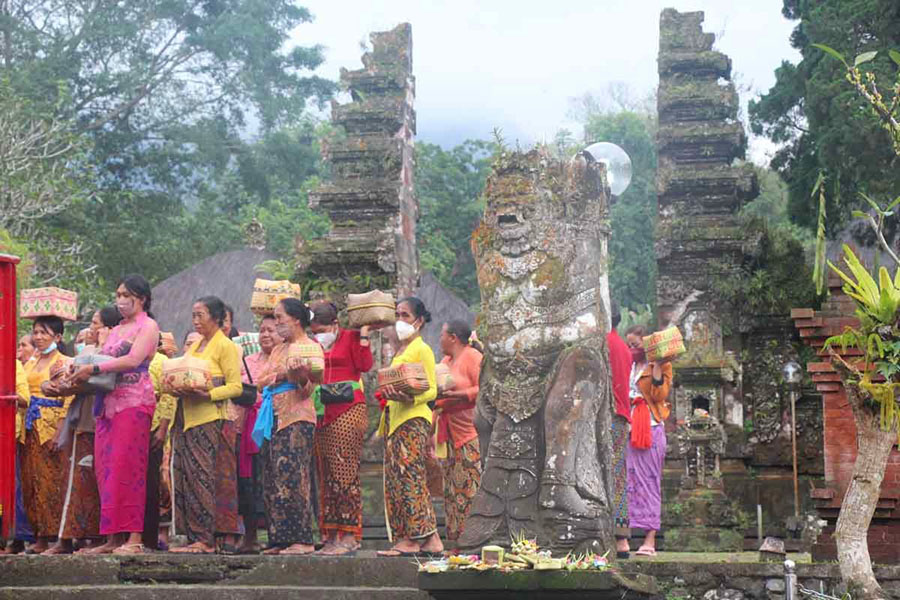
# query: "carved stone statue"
[[544, 410]]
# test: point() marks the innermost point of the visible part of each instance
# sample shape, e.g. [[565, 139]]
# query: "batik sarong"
[[42, 481], [620, 474], [407, 499], [227, 521], [338, 452], [645, 481], [194, 469], [81, 502], [462, 475], [287, 461]]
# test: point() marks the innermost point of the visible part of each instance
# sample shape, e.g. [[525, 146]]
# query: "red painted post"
[[8, 340]]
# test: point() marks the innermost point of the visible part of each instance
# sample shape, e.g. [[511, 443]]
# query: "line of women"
[[116, 472]]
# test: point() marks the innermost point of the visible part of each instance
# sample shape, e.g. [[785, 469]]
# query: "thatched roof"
[[444, 306], [228, 275]]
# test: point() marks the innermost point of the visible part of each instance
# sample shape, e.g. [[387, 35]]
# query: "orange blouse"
[[459, 416]]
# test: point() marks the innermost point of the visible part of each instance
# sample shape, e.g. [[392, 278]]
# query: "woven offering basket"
[[665, 344], [409, 378], [48, 302], [372, 309]]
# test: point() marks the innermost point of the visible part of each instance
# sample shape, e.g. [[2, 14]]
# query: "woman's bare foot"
[[38, 547], [402, 548], [60, 547], [130, 548], [272, 550], [195, 548], [433, 544], [299, 549], [106, 548], [349, 541], [14, 547]]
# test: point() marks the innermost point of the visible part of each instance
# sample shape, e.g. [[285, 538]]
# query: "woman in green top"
[[406, 425]]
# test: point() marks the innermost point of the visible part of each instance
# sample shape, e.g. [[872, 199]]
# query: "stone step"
[[209, 592], [221, 571]]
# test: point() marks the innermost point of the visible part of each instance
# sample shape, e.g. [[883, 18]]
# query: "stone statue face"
[[541, 252]]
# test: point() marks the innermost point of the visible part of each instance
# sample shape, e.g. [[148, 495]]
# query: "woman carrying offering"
[[122, 430], [284, 429], [250, 493], [43, 474], [205, 465], [454, 414], [649, 390], [81, 497], [340, 432], [406, 425]]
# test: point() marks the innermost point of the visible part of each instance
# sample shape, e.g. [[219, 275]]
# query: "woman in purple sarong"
[[649, 390], [123, 416]]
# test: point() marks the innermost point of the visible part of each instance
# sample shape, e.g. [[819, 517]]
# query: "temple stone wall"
[[700, 193], [370, 195], [370, 198], [733, 360]]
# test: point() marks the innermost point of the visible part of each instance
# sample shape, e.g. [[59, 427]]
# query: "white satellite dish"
[[618, 165]]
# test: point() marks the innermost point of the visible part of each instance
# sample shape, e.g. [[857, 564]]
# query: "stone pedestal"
[[539, 585]]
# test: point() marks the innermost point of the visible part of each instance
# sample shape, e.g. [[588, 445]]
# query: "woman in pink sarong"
[[123, 416]]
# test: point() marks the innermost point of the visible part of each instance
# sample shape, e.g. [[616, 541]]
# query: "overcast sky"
[[518, 64]]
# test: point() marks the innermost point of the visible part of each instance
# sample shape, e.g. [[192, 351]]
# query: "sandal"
[[136, 548], [195, 548], [290, 552], [101, 549], [646, 551], [337, 550], [393, 552]]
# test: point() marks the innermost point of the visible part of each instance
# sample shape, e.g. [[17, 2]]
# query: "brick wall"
[[840, 433]]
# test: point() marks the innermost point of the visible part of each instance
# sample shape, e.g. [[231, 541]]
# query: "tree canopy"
[[449, 185], [193, 116], [824, 126]]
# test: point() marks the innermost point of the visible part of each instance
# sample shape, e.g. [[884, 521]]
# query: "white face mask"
[[326, 339], [404, 330]]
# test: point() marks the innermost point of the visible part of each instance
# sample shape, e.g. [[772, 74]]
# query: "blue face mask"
[[79, 348], [50, 349]]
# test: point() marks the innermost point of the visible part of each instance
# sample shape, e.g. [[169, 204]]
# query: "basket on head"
[[48, 302], [665, 344], [267, 294], [373, 309]]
